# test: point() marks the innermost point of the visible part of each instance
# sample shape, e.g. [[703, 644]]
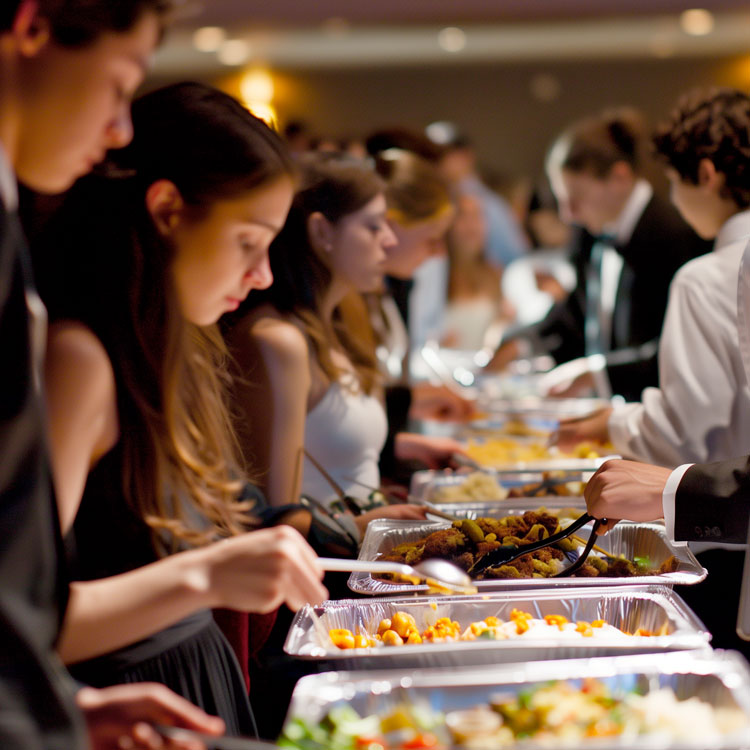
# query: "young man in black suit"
[[627, 246], [69, 68]]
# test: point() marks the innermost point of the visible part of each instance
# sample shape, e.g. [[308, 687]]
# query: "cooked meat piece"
[[621, 568], [670, 565], [464, 561], [445, 543], [586, 571]]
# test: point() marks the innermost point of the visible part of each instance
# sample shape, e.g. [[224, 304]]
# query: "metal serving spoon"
[[441, 576]]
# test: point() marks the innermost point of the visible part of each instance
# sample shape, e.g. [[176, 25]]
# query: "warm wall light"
[[257, 86], [265, 112], [697, 21], [209, 38], [452, 39], [234, 52]]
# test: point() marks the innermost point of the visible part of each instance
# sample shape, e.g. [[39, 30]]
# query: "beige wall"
[[511, 129]]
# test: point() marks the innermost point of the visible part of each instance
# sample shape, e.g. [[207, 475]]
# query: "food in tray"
[[480, 485], [466, 541], [511, 427], [401, 629], [497, 452], [477, 486], [553, 714]]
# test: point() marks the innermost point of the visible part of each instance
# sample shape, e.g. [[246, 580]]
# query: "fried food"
[[465, 542]]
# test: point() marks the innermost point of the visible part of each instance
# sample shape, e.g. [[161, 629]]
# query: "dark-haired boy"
[[69, 69]]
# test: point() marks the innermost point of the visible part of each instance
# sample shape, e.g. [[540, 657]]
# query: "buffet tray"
[[646, 540], [648, 607], [538, 407], [720, 678], [425, 483]]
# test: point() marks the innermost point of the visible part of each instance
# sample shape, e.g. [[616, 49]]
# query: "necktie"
[[592, 325]]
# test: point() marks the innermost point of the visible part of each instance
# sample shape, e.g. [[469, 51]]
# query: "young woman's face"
[[222, 256], [415, 243], [358, 247], [77, 104]]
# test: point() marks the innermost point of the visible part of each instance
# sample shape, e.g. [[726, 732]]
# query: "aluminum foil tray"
[[647, 540], [425, 483], [537, 407], [720, 678], [570, 506], [649, 607]]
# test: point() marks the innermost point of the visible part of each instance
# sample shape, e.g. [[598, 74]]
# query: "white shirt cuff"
[[668, 501]]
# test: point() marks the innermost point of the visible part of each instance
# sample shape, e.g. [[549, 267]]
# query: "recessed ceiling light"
[[697, 21], [234, 52], [452, 39], [209, 38]]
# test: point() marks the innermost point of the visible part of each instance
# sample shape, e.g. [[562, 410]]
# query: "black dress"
[[191, 657]]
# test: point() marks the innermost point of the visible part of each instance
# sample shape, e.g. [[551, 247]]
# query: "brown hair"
[[336, 186], [78, 23], [711, 124], [415, 191], [109, 267], [595, 144]]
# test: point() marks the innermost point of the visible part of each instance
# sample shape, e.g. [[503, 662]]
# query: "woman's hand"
[[503, 356], [439, 402], [626, 489], [261, 570], [434, 452], [571, 432], [401, 512], [122, 717], [580, 385]]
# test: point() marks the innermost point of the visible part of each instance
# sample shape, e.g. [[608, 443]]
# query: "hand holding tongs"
[[507, 553]]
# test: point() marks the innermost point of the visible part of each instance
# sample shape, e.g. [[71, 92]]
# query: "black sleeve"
[[713, 502]]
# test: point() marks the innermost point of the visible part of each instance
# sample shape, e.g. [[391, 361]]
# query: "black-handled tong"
[[507, 553]]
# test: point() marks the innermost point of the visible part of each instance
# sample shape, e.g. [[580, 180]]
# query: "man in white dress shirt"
[[701, 412], [701, 409]]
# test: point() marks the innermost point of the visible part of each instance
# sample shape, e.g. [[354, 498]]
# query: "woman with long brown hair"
[[304, 376], [143, 259]]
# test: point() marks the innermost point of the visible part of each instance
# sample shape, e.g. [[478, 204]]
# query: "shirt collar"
[[734, 228], [8, 185], [622, 228]]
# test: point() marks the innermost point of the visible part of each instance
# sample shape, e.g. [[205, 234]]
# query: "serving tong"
[[508, 553]]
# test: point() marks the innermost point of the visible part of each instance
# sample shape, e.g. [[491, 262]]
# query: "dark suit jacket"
[[713, 502], [36, 704], [661, 242]]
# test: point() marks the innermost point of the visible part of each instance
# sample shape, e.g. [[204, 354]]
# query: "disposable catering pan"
[[642, 540], [538, 407], [720, 678], [652, 608], [425, 485], [571, 507]]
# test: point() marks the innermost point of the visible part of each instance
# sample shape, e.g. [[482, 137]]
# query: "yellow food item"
[[476, 486], [401, 629], [500, 451], [342, 638]]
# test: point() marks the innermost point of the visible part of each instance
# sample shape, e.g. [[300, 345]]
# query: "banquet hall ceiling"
[[327, 33]]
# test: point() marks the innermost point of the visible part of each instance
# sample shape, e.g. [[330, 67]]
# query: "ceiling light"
[[697, 21], [234, 52], [209, 38], [256, 86], [452, 39]]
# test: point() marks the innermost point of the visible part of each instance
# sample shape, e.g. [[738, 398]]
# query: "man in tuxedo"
[[69, 68], [627, 246]]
